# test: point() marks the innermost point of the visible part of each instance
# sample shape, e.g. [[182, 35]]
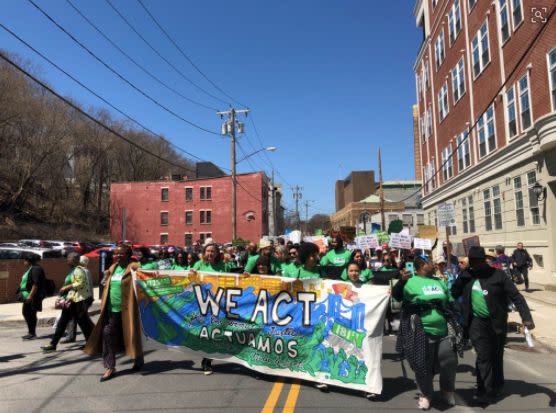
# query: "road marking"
[[291, 400], [273, 397]]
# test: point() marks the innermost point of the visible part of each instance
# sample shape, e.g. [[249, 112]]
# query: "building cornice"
[[546, 136]]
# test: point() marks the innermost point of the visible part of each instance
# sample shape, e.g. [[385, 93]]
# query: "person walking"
[[424, 337], [78, 292], [118, 323], [31, 293], [522, 263], [485, 292]]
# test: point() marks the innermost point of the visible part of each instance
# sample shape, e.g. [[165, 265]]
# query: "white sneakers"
[[423, 403]]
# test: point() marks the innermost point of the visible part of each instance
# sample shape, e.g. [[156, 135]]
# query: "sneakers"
[[322, 387], [371, 396], [449, 398], [206, 366], [49, 348], [29, 337], [423, 403]]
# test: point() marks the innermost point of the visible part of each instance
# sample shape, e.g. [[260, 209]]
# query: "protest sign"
[[446, 214], [399, 240], [367, 241], [422, 243], [319, 330], [470, 242], [427, 231]]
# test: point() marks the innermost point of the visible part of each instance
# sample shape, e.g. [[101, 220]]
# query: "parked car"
[[22, 252], [82, 247], [65, 246], [96, 252]]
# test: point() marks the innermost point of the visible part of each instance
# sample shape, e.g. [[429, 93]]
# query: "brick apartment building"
[[469, 51], [182, 212]]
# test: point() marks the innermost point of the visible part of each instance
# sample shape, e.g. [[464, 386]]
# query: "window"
[[471, 211], [429, 122], [552, 74], [407, 219], [426, 178], [188, 239], [163, 218], [423, 127], [443, 107], [485, 132], [433, 174], [497, 204], [164, 238], [524, 106], [510, 112], [419, 89], [188, 194], [518, 195], [479, 46], [464, 154], [454, 21], [204, 235], [493, 208], [488, 210], [458, 81], [439, 51], [517, 12], [468, 215], [426, 75], [206, 193], [420, 219], [533, 201], [188, 217], [447, 163], [471, 4], [504, 20], [164, 194], [205, 216]]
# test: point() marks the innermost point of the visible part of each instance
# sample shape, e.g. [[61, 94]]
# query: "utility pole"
[[381, 193], [297, 196], [230, 128], [272, 220]]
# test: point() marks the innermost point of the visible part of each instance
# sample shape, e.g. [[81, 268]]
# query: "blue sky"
[[327, 81]]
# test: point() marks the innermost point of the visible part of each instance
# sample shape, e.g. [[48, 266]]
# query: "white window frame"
[[521, 93], [532, 196], [458, 80], [552, 77], [518, 198], [513, 3], [185, 189], [454, 18], [479, 38], [426, 75], [464, 150], [439, 49], [205, 187], [204, 212], [447, 163], [484, 124], [167, 218], [185, 216], [429, 121], [167, 193], [419, 86], [433, 174], [443, 102], [507, 103], [167, 238]]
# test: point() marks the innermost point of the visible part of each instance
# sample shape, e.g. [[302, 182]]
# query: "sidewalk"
[[11, 313], [543, 309]]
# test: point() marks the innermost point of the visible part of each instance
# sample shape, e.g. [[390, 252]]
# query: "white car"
[[65, 246], [23, 252]]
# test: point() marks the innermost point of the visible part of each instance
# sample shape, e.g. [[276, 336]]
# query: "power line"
[[146, 71], [117, 73], [87, 115], [121, 112], [160, 55], [491, 102], [186, 56]]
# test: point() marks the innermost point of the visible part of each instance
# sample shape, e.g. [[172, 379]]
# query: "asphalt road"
[[68, 381]]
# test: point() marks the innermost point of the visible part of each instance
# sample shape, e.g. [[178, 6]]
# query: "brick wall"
[[11, 272]]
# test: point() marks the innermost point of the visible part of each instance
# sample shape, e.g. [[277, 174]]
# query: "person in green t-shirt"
[[265, 248], [307, 265], [180, 261], [281, 253], [387, 264], [212, 260], [30, 292], [145, 259], [427, 296], [365, 274], [338, 256]]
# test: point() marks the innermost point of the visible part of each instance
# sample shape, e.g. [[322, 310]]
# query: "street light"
[[267, 149], [539, 191]]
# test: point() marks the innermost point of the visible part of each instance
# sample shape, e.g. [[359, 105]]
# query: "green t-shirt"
[[180, 267], [383, 268], [23, 284], [283, 266], [206, 267], [365, 275], [299, 271], [291, 270], [478, 302], [275, 264], [115, 302], [336, 259], [421, 290], [67, 280], [153, 265]]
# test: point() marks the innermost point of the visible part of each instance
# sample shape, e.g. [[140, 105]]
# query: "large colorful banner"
[[319, 330]]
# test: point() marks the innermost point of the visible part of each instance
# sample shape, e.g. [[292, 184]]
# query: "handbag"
[[62, 304]]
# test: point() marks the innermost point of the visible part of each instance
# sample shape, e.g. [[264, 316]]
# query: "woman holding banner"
[[308, 263], [211, 260], [424, 338], [118, 323], [365, 274]]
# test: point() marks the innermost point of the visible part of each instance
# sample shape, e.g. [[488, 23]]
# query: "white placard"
[[400, 240], [422, 243], [446, 214], [367, 241]]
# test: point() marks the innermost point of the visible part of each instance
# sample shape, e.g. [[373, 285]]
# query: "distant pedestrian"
[[522, 263], [31, 293], [486, 291], [78, 292], [118, 324]]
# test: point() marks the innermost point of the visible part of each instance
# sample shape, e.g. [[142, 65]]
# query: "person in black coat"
[[485, 291], [31, 293], [522, 263]]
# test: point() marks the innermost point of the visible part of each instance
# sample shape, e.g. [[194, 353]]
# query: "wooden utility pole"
[[381, 193], [297, 196]]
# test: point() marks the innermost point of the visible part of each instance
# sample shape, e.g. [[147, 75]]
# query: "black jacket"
[[521, 258], [500, 288]]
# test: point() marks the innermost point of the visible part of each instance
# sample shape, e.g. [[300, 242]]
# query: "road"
[[68, 381]]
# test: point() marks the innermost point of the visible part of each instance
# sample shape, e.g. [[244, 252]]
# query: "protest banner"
[[399, 240], [427, 231], [446, 214], [367, 241], [422, 243], [319, 330], [470, 242]]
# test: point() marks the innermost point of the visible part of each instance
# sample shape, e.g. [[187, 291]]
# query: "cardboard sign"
[[399, 240], [422, 243], [367, 241], [427, 231], [446, 214], [470, 242]]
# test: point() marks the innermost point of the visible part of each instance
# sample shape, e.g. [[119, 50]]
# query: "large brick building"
[[182, 212], [468, 71]]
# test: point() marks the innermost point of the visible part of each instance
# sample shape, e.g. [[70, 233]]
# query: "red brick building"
[[182, 212], [487, 122]]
